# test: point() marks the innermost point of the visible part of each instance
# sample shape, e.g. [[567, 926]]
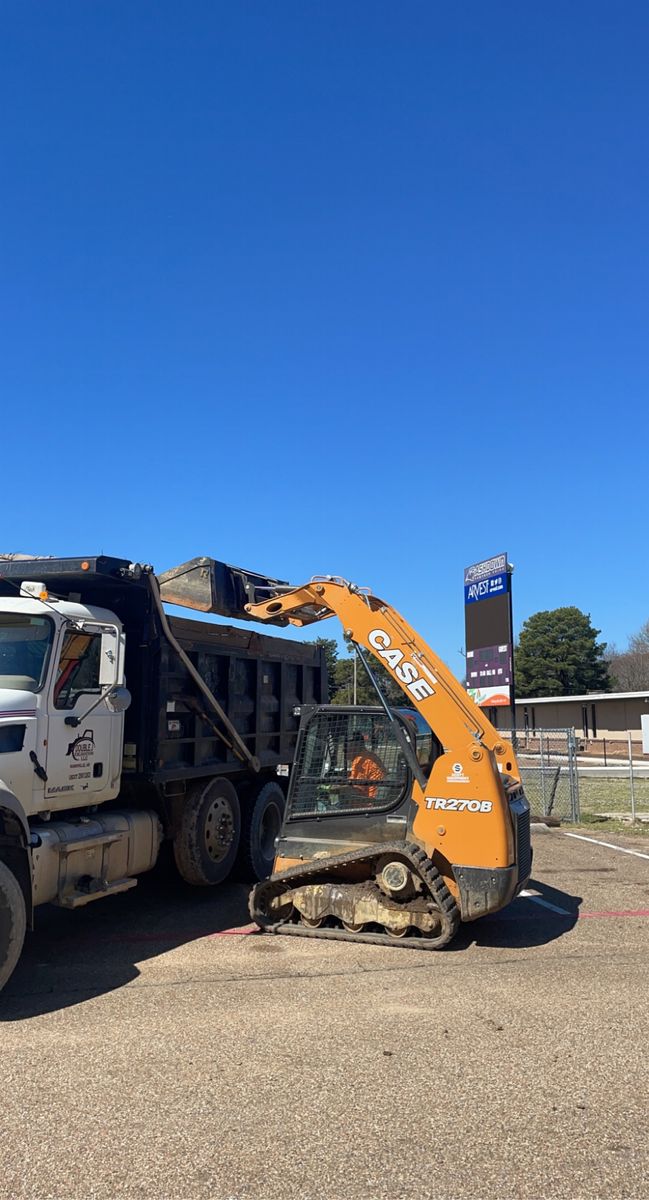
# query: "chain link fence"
[[613, 778], [573, 779], [548, 763]]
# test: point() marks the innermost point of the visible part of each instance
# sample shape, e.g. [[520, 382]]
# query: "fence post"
[[542, 774], [631, 781], [574, 775], [605, 763]]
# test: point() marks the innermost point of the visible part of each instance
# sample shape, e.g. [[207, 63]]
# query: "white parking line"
[[609, 845], [546, 903]]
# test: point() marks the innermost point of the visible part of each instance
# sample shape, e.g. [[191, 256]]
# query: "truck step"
[[96, 891]]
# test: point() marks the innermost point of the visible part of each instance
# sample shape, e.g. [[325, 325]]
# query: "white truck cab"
[[62, 701]]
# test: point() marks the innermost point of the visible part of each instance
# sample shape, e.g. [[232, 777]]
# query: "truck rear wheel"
[[13, 922], [206, 844], [262, 823]]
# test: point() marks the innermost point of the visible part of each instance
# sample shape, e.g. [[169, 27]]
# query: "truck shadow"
[[534, 920], [74, 956]]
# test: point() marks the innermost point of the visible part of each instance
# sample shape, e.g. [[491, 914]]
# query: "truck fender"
[[14, 844]]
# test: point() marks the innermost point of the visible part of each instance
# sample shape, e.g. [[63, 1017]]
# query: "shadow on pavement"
[[534, 920], [73, 956]]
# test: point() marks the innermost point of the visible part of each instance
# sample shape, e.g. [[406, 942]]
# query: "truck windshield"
[[24, 648]]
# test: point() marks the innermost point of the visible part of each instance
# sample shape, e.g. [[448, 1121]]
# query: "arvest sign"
[[495, 585]]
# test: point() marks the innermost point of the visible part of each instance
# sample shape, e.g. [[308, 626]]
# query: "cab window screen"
[[347, 762]]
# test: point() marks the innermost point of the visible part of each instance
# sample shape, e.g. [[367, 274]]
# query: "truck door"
[[84, 752]]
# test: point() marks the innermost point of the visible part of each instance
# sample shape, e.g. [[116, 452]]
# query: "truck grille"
[[523, 845]]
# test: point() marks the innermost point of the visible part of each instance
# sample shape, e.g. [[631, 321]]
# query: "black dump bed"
[[171, 731]]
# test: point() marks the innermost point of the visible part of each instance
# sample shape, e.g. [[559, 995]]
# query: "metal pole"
[[631, 776], [574, 776], [542, 773], [355, 680], [510, 570]]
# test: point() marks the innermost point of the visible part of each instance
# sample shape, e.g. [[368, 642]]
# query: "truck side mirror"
[[118, 700]]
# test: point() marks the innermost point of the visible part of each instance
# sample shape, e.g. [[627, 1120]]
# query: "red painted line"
[[235, 932], [508, 915], [181, 936]]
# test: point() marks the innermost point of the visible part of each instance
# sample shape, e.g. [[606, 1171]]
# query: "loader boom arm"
[[429, 686]]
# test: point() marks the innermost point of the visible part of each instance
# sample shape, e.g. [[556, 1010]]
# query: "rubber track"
[[444, 904]]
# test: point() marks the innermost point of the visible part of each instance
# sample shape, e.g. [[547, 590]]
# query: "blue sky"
[[349, 288]]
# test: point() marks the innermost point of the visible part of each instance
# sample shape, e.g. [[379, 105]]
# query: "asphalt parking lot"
[[147, 1051]]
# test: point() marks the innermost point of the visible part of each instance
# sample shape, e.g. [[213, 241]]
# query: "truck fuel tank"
[[75, 862]]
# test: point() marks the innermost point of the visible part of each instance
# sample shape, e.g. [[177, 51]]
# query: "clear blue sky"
[[357, 288]]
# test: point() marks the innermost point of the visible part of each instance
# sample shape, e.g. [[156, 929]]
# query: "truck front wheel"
[[13, 922], [206, 843]]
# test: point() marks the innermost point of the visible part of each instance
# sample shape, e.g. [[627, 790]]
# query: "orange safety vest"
[[366, 766]]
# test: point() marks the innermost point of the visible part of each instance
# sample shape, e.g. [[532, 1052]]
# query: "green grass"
[[597, 794], [611, 795], [595, 823]]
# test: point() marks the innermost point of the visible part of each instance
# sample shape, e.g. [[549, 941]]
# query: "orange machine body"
[[461, 813]]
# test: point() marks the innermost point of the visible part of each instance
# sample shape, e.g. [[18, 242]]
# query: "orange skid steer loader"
[[399, 824]]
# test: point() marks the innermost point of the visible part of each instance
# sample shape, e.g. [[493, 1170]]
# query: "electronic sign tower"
[[489, 634]]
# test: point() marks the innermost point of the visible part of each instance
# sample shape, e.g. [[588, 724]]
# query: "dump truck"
[[399, 824], [122, 727]]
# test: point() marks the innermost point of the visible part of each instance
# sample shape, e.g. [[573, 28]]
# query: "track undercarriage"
[[387, 895]]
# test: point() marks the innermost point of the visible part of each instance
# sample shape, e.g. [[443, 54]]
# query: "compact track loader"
[[399, 824]]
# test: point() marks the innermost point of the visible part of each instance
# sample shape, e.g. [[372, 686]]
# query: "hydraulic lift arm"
[[474, 754], [427, 683]]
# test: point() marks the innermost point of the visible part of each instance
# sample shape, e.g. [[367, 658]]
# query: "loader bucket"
[[210, 586]]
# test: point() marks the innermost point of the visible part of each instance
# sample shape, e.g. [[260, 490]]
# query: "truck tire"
[[13, 922], [262, 823], [206, 844]]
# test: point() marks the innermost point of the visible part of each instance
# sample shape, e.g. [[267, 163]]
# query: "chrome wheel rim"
[[218, 829]]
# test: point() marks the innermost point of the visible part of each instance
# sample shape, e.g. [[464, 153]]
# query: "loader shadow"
[[545, 916], [72, 957]]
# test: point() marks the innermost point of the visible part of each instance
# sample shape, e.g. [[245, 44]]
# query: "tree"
[[639, 642], [340, 673], [630, 668], [558, 655], [330, 647], [365, 692]]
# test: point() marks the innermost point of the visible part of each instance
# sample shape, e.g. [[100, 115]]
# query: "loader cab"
[[351, 781]]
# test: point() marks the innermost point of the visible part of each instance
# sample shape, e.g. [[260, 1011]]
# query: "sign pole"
[[510, 571]]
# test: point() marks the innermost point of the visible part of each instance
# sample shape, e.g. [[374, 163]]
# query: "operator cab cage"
[[352, 760]]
